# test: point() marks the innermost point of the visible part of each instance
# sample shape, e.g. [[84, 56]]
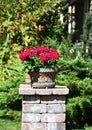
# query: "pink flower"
[[37, 57], [45, 57], [50, 55], [22, 56], [54, 55], [26, 55], [41, 49], [44, 53]]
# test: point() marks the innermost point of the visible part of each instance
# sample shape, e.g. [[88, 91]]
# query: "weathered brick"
[[34, 126], [53, 99], [31, 99], [61, 91], [55, 108], [34, 108], [53, 117], [28, 117], [25, 89], [44, 91], [56, 126]]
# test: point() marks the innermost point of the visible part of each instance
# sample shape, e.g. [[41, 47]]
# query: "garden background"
[[28, 23]]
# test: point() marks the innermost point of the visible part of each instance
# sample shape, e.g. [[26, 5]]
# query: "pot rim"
[[48, 69]]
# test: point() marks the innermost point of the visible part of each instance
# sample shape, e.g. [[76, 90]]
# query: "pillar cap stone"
[[25, 89]]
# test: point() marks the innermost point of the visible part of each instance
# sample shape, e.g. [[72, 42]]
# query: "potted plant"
[[41, 65]]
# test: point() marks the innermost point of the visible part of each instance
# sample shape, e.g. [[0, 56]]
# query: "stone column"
[[43, 109]]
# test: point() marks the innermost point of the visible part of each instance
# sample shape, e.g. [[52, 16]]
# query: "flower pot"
[[44, 78]]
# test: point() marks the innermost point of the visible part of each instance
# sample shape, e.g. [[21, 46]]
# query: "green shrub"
[[76, 74], [10, 100], [85, 86], [79, 110], [10, 114]]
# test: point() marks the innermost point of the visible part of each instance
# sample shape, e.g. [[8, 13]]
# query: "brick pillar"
[[43, 109]]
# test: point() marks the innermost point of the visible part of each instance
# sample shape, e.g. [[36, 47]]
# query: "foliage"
[[21, 25], [81, 109], [77, 76], [10, 101], [6, 124], [27, 25]]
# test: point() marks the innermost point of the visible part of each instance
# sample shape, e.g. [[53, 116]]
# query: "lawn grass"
[[85, 128], [88, 128], [9, 125], [74, 127]]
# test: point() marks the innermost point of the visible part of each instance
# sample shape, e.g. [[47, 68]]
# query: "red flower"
[[45, 57], [26, 55], [54, 55], [50, 55], [41, 49], [44, 53]]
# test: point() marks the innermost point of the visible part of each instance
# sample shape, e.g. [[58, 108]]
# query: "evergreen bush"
[[76, 74]]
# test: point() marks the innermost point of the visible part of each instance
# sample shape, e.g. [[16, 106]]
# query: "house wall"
[[81, 7]]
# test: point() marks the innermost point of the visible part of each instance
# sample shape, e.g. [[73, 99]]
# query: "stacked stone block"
[[43, 109]]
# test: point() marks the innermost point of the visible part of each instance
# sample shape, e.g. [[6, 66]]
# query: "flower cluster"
[[45, 54], [39, 56]]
